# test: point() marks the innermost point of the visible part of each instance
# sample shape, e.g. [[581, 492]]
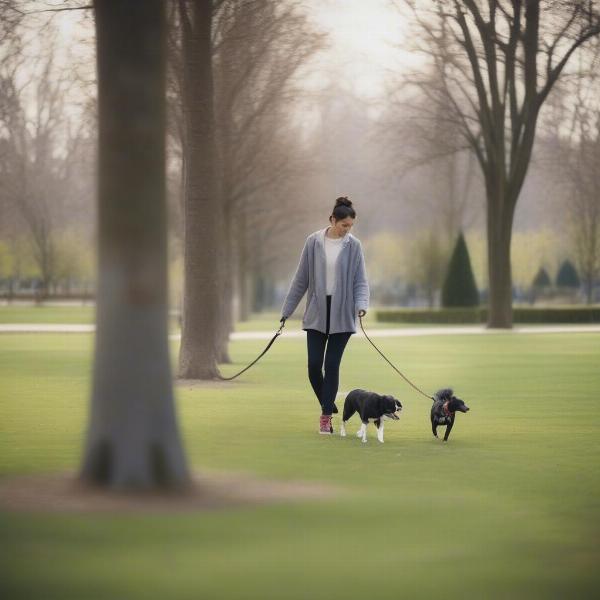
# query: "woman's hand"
[[362, 313]]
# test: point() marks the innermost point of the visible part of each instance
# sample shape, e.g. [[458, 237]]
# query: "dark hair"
[[343, 209]]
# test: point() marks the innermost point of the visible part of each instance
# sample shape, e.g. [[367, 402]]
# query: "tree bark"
[[202, 220], [499, 234], [226, 317], [244, 279], [132, 439]]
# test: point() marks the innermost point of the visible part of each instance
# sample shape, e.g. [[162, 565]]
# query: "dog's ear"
[[382, 402], [389, 403]]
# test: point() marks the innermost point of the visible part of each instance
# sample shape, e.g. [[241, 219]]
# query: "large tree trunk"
[[500, 288], [499, 234], [200, 325], [132, 440]]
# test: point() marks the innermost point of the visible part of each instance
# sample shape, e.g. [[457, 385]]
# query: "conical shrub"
[[542, 279], [567, 276], [459, 287]]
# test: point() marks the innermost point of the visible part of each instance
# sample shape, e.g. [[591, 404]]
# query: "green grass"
[[51, 314], [509, 508], [19, 313]]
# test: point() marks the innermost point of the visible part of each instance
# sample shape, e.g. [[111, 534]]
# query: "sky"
[[363, 35], [367, 44]]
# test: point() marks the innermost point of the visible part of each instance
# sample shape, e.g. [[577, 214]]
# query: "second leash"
[[391, 365]]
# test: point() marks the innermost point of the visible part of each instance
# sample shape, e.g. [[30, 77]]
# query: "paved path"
[[374, 333]]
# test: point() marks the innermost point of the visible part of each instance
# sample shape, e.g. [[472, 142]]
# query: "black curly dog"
[[445, 404]]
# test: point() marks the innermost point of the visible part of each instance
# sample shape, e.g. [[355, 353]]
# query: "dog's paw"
[[342, 433], [364, 441]]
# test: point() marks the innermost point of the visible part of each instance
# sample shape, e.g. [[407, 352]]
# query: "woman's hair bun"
[[343, 201], [343, 209]]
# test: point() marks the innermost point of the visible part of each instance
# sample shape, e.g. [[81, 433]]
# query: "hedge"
[[584, 314]]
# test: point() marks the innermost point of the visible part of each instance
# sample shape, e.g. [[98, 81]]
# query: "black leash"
[[391, 365], [279, 331]]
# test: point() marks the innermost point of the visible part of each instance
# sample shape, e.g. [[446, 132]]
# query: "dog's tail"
[[443, 394]]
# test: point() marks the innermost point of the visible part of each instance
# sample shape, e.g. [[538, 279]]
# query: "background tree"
[[459, 287], [46, 155], [132, 439], [567, 276], [541, 284], [497, 63], [575, 160], [433, 150], [428, 263], [257, 49], [202, 214]]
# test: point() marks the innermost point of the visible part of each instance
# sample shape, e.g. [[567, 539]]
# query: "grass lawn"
[[509, 508], [266, 321], [21, 313]]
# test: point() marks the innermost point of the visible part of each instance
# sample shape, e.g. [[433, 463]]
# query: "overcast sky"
[[362, 36]]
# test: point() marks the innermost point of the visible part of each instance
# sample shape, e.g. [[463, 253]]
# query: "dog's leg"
[[379, 424], [343, 429], [349, 410], [434, 427], [359, 433], [362, 432], [448, 429]]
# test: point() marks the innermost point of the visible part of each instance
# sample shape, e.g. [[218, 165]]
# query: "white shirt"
[[332, 251]]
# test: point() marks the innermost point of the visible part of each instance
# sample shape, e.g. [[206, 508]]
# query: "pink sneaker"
[[325, 426]]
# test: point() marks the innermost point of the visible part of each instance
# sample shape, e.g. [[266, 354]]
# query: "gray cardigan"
[[351, 292]]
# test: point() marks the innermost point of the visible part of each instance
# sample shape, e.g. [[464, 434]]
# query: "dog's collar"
[[446, 410]]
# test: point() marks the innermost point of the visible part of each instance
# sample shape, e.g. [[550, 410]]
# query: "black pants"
[[325, 386]]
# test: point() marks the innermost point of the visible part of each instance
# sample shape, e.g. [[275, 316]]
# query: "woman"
[[332, 271]]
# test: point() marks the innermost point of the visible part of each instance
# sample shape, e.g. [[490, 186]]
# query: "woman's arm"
[[361, 285], [298, 286]]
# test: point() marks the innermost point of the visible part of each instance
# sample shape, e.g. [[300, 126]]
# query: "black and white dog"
[[445, 404], [370, 407]]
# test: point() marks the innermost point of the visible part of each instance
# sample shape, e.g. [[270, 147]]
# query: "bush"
[[567, 276], [542, 279], [584, 314], [459, 289]]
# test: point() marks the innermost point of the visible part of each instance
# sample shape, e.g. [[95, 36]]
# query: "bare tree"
[[257, 50], [267, 211], [260, 48], [574, 158], [431, 148], [132, 439], [33, 169], [497, 62], [202, 209]]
